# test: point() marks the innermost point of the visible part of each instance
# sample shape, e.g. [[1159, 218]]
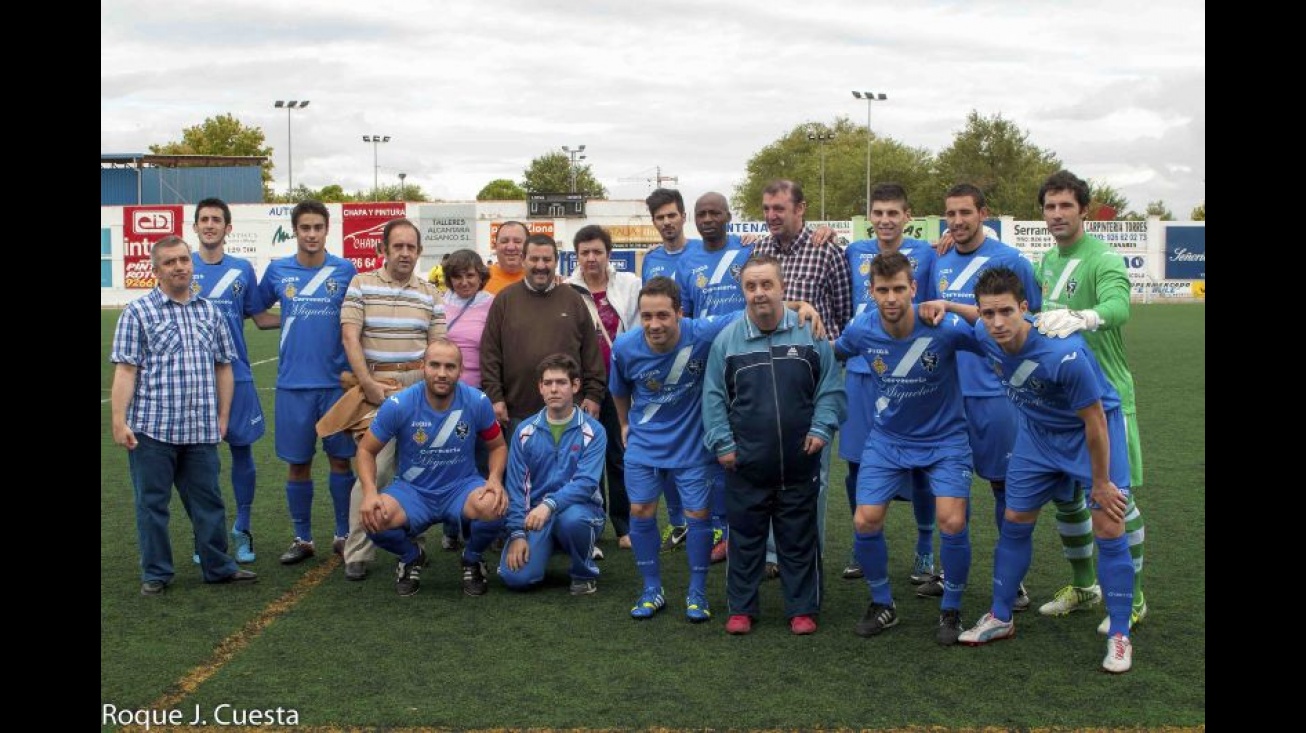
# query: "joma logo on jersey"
[[462, 430], [929, 361]]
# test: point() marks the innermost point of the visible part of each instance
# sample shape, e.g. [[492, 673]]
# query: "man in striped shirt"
[[387, 319], [170, 403]]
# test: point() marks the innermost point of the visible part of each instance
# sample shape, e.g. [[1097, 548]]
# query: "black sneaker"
[[299, 551], [474, 583], [581, 587], [949, 626], [852, 571], [877, 618], [930, 589], [408, 577]]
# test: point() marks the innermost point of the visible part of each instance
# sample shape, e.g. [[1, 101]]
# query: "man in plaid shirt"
[[171, 398], [816, 273]]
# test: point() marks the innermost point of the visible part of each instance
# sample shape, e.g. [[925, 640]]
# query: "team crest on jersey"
[[735, 270], [701, 280], [695, 366], [420, 436], [929, 361], [291, 291], [943, 283], [237, 288], [865, 267], [332, 286], [1071, 287], [462, 430], [1036, 384], [915, 263], [879, 366], [195, 287], [652, 384]]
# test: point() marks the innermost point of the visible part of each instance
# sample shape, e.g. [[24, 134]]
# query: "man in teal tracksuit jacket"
[[772, 399]]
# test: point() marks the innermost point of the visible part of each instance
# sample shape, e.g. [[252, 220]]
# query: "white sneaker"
[[1070, 599], [1135, 615], [1119, 654], [989, 628]]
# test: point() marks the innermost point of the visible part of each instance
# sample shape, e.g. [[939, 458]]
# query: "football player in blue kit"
[[229, 283], [436, 425], [310, 285], [917, 426], [990, 417], [890, 214], [1072, 432]]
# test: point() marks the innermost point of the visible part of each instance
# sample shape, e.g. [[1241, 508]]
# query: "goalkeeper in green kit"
[[1086, 289]]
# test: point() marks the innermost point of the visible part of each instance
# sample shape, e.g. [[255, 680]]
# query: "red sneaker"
[[802, 625], [739, 624], [721, 549]]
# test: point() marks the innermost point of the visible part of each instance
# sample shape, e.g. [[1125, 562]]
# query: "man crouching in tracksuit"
[[772, 399]]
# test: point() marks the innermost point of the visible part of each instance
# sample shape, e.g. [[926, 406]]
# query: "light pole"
[[576, 155], [376, 141], [290, 149], [869, 97], [823, 137], [402, 176]]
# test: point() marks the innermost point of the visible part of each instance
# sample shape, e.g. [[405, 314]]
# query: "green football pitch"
[[347, 655]]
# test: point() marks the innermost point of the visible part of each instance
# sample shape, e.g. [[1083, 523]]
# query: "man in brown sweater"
[[528, 321]]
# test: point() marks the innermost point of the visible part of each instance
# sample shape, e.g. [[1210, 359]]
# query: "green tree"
[[1104, 195], [996, 155], [1199, 212], [391, 192], [551, 173], [501, 189], [1158, 208], [221, 135], [797, 156]]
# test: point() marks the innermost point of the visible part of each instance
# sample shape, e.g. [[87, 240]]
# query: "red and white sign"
[[142, 226], [361, 231]]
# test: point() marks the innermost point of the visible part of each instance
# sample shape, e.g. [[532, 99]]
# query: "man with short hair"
[[890, 214], [919, 428], [1087, 291], [435, 426], [554, 500], [527, 322], [229, 283], [509, 248], [990, 417], [1072, 432], [386, 321], [815, 273], [170, 405], [310, 286], [772, 400]]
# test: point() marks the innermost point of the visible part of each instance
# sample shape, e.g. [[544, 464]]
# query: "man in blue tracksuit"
[[772, 399], [554, 500]]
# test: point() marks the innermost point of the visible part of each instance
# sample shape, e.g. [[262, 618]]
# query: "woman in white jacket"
[[613, 300]]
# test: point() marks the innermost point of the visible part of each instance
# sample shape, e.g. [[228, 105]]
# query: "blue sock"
[[954, 551], [299, 497], [999, 502], [645, 544], [341, 484], [922, 506], [242, 484], [479, 539], [398, 542], [698, 546], [1115, 571], [872, 553], [1010, 563]]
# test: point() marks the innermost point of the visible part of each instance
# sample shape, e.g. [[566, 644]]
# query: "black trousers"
[[617, 500], [789, 510]]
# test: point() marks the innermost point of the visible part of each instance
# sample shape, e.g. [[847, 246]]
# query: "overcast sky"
[[471, 91]]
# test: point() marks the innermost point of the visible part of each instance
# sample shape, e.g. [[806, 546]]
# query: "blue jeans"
[[155, 468]]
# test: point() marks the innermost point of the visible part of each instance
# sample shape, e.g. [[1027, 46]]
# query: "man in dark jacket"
[[772, 400]]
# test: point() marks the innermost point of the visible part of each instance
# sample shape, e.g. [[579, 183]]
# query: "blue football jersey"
[[665, 391], [860, 254], [954, 279], [918, 394], [311, 354], [1050, 379], [709, 281], [434, 450], [232, 287], [658, 262]]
